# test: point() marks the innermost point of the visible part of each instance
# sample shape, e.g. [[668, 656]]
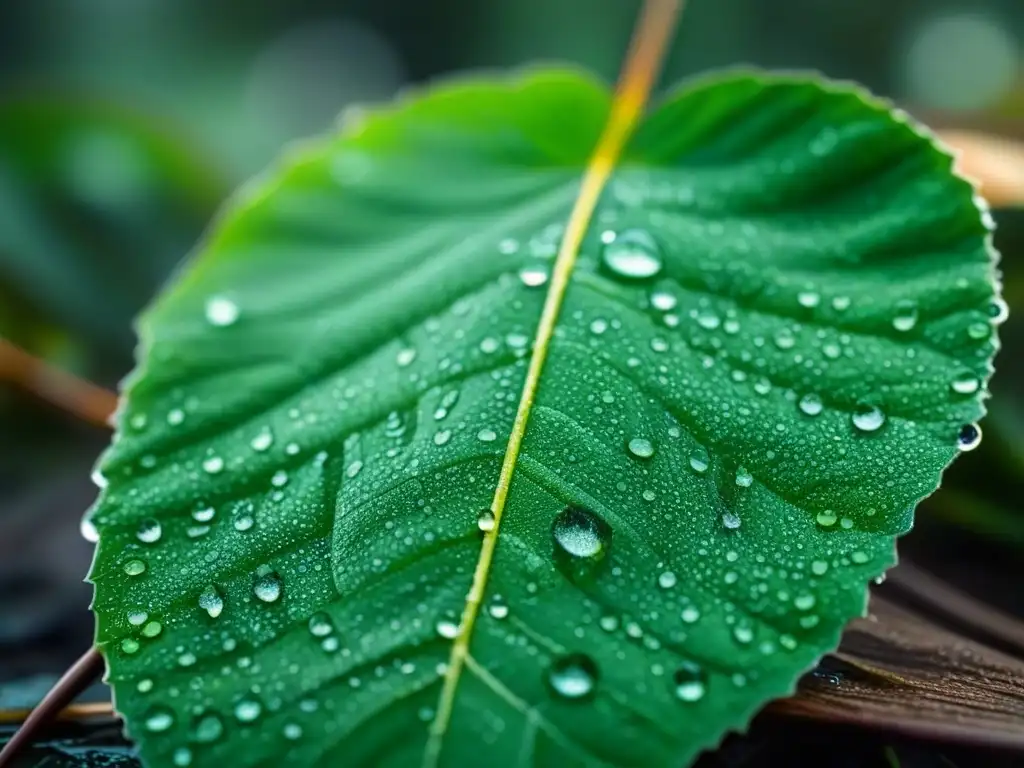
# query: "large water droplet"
[[211, 601], [999, 310], [580, 534], [221, 311], [969, 437], [731, 520], [811, 404], [574, 676], [208, 728], [699, 459], [534, 275], [906, 315], [641, 447], [248, 710], [690, 682], [262, 441], [965, 384], [743, 478], [320, 624], [182, 757], [868, 418], [213, 464], [633, 255], [808, 299], [267, 585], [447, 629], [667, 580], [158, 719], [485, 520], [134, 567], [149, 531]]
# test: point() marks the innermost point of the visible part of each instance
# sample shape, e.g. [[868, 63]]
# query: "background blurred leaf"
[[97, 204]]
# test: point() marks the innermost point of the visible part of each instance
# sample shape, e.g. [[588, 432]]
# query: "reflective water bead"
[[969, 437], [868, 418], [267, 585], [149, 531], [574, 676], [137, 618], [690, 614], [641, 447], [533, 276], [158, 719], [632, 255], [811, 405], [320, 624], [731, 520], [203, 515], [690, 682], [248, 710], [743, 478], [663, 301], [808, 299], [182, 757], [447, 629], [130, 645], [906, 315], [579, 533], [486, 435], [211, 602], [826, 518], [213, 464], [134, 567], [667, 580], [221, 311], [485, 520], [292, 731], [999, 310], [965, 384], [699, 460]]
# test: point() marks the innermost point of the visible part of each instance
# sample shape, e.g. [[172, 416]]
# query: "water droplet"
[[211, 601], [262, 441], [598, 326], [149, 531], [208, 728], [841, 303], [690, 614], [573, 676], [641, 447], [88, 530], [243, 523], [320, 624], [811, 404], [187, 659], [158, 719], [221, 311], [351, 470], [743, 634], [999, 310], [152, 629], [906, 315], [826, 518], [633, 255], [808, 299], [447, 629], [667, 580], [743, 478], [405, 356], [145, 685], [868, 418], [580, 534], [213, 464], [489, 345], [292, 731], [134, 567], [279, 479], [979, 331], [784, 338], [708, 320], [690, 682], [533, 276], [969, 437], [731, 520], [699, 460], [204, 515], [137, 618], [486, 435], [498, 609], [663, 301], [609, 623], [175, 416], [804, 602], [248, 710], [182, 757], [442, 437], [130, 645], [267, 585], [819, 567], [485, 520], [965, 384]]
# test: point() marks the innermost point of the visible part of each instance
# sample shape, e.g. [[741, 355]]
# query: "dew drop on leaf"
[[999, 310], [292, 731], [580, 534], [631, 255], [533, 276], [906, 315], [447, 629], [663, 301], [810, 404], [182, 757], [573, 677], [211, 602], [699, 460], [641, 447], [221, 311], [690, 682], [969, 437], [743, 478], [149, 531], [485, 520], [826, 518], [137, 618], [965, 384], [731, 520], [158, 719], [262, 441], [267, 585], [152, 629], [213, 464], [248, 710], [690, 614], [130, 645], [134, 567], [808, 299], [320, 624], [868, 418]]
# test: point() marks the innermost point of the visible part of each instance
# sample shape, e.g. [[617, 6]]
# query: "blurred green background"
[[124, 123]]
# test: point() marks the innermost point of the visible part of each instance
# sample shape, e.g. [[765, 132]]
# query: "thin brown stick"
[[79, 676], [69, 393], [70, 712]]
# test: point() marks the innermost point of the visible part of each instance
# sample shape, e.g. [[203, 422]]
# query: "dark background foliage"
[[123, 124]]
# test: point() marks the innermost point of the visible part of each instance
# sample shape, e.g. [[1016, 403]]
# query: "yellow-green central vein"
[[650, 40]]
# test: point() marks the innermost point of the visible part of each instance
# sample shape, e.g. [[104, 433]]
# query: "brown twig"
[[76, 396], [70, 712], [996, 163], [79, 677]]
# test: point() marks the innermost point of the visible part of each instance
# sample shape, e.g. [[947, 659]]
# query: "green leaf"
[[759, 367]]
